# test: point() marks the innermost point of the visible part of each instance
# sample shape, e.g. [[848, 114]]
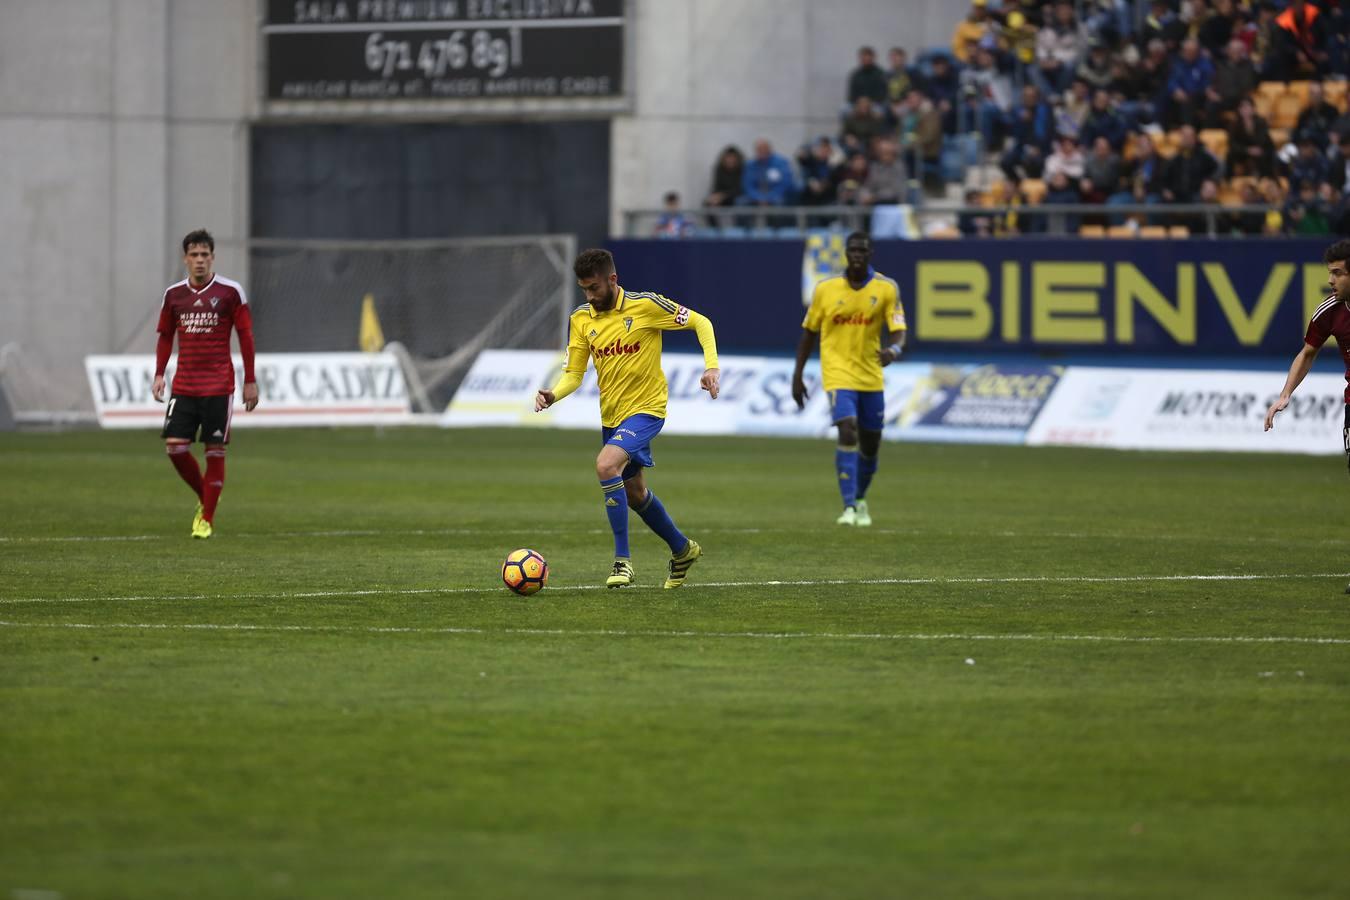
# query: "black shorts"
[[210, 416]]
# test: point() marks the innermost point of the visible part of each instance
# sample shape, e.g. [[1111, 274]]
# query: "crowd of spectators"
[[1232, 103]]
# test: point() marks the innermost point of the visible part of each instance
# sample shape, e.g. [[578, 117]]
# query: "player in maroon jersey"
[[201, 310]]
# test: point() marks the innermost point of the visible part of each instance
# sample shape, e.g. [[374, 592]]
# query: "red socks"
[[215, 480], [186, 464]]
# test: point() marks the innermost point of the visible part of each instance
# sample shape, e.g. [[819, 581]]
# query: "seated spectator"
[[1030, 128], [920, 128], [1145, 173], [887, 181], [1072, 111], [1301, 42], [1307, 211], [1216, 30], [672, 222], [1188, 170], [817, 162], [1318, 116], [1067, 160], [1095, 69], [1234, 79], [849, 179], [1060, 45], [1250, 149], [942, 88], [861, 125], [1248, 223], [988, 96], [1339, 165], [1103, 122], [1191, 77], [768, 179], [974, 221], [1103, 169], [727, 177], [1162, 25], [1019, 37], [900, 80], [1150, 81], [1311, 163], [1062, 192], [1265, 47], [868, 80], [971, 30]]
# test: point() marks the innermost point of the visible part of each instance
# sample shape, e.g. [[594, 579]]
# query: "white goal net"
[[438, 303]]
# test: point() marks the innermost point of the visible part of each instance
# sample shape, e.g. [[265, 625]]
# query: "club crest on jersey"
[[682, 315], [874, 301], [215, 300], [628, 324]]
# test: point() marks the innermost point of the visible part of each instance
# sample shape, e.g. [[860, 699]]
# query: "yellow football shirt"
[[625, 343], [850, 324]]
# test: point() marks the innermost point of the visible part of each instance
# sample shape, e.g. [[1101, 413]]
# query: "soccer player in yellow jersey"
[[848, 315], [621, 331]]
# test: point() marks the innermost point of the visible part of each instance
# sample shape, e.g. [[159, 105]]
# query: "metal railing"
[[1201, 219]]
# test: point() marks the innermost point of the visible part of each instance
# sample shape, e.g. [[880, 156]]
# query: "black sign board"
[[364, 50]]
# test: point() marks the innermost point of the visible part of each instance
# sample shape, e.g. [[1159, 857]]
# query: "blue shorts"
[[634, 436], [868, 407]]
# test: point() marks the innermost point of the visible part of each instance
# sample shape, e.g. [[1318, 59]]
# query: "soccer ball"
[[525, 572]]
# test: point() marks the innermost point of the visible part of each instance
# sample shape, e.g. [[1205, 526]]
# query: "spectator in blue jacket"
[[1192, 75], [1103, 122], [768, 179], [1031, 127]]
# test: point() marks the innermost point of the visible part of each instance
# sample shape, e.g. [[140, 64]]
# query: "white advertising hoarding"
[[294, 389], [1190, 409], [992, 404]]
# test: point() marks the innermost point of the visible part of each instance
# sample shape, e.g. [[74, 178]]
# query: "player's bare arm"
[[1297, 372], [805, 347], [894, 349]]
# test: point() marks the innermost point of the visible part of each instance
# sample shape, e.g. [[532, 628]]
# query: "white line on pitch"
[[656, 633], [378, 592], [554, 532]]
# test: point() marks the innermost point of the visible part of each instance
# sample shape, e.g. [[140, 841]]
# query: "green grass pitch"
[[1043, 673]]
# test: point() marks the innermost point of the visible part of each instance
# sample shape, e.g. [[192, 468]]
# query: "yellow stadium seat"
[[1300, 90], [944, 232], [1335, 92], [1284, 114], [1120, 231], [1034, 189], [1178, 231], [1279, 137], [1263, 105], [1091, 231], [1153, 231], [1215, 141], [1271, 89]]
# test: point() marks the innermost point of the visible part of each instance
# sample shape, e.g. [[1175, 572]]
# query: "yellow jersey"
[[625, 343], [850, 324]]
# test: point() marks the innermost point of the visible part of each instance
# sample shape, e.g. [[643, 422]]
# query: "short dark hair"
[[859, 236], [200, 236], [1337, 252], [593, 262]]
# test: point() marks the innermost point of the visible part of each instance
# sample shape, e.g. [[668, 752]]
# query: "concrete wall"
[[712, 72], [122, 127]]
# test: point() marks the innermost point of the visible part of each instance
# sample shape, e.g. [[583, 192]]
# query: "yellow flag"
[[371, 338]]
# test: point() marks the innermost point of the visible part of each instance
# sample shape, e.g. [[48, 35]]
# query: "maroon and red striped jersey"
[[1332, 319], [202, 319]]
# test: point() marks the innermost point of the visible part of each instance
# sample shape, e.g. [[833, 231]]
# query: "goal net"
[[438, 303]]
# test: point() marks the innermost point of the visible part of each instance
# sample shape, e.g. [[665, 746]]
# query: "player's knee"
[[848, 433], [869, 442], [607, 469]]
